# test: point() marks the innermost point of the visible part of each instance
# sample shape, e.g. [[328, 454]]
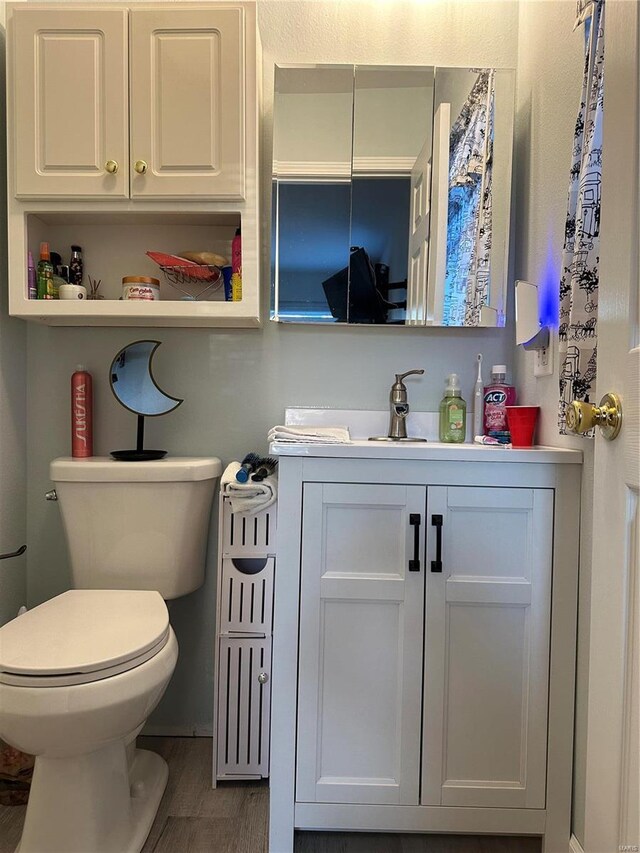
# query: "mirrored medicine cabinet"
[[391, 195]]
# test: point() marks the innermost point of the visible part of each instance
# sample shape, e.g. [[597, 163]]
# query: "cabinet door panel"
[[360, 645], [70, 80], [487, 648], [187, 102]]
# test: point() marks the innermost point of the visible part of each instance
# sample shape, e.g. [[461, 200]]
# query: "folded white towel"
[[250, 497], [309, 435]]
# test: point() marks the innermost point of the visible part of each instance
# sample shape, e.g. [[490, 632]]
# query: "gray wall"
[[13, 531], [237, 383], [550, 65]]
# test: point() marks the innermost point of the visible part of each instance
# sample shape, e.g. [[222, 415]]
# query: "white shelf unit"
[[242, 662]]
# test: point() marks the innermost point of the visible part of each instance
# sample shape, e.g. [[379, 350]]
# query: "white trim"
[[307, 170], [574, 845], [448, 819], [380, 166]]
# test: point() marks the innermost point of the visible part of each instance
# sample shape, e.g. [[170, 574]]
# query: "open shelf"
[[114, 245]]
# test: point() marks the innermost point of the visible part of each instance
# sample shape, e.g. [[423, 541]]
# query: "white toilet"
[[80, 674]]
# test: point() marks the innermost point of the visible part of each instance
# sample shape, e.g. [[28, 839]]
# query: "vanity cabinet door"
[[187, 103], [487, 647], [69, 70], [361, 628]]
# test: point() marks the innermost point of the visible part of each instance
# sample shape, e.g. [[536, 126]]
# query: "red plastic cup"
[[522, 424]]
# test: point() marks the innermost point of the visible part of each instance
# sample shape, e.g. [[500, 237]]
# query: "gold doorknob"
[[140, 166], [111, 166], [582, 417]]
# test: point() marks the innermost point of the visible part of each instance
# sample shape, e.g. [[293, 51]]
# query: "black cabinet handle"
[[415, 521], [436, 565]]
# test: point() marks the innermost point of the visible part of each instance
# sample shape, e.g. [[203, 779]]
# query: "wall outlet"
[[543, 361]]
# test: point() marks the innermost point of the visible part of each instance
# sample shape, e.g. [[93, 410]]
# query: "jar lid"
[[140, 279]]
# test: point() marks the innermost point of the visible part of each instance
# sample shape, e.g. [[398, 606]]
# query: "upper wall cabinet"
[[391, 195], [147, 103], [133, 133]]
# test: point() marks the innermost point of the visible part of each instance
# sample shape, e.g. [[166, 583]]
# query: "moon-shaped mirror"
[[134, 387]]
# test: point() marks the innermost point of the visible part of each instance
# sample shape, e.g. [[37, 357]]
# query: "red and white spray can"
[[81, 414]]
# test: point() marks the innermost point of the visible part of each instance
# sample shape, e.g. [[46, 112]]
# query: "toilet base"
[[93, 802]]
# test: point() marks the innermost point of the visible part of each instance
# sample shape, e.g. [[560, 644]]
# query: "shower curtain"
[[578, 331], [469, 217]]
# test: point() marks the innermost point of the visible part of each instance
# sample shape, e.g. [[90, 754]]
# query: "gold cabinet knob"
[[583, 417], [111, 166], [140, 166]]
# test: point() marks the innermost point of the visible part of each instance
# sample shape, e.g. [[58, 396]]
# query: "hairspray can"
[[81, 414]]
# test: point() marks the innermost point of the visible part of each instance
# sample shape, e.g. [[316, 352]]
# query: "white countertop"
[[430, 451]]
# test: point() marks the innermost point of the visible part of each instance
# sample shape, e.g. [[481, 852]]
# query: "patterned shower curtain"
[[578, 330], [469, 217]]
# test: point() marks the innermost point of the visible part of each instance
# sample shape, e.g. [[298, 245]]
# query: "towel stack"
[[251, 497], [309, 435]]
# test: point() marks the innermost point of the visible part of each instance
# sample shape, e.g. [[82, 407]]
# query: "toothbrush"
[[478, 400]]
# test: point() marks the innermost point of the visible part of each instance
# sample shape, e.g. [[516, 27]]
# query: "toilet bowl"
[[79, 675]]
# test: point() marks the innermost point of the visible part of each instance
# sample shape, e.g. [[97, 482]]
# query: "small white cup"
[[72, 291]]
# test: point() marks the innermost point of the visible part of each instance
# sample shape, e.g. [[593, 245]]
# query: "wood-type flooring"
[[233, 818]]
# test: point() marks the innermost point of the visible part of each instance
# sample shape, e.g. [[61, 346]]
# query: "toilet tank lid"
[[103, 469], [83, 630]]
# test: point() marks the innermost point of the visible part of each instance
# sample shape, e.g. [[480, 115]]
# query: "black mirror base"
[[137, 455]]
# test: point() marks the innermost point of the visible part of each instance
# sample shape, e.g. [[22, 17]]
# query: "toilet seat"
[[83, 636]]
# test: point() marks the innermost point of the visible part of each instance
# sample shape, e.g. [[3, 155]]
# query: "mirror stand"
[[139, 454], [134, 387]]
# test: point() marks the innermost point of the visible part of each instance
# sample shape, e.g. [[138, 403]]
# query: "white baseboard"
[[574, 845], [178, 731]]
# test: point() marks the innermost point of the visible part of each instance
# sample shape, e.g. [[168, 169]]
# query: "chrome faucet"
[[399, 409]]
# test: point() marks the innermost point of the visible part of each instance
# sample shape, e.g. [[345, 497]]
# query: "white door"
[[187, 103], [360, 662], [488, 578], [612, 820], [419, 238], [69, 102]]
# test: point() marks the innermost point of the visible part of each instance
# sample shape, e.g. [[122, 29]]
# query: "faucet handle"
[[400, 376]]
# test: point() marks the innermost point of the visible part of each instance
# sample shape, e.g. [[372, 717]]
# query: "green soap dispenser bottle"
[[453, 413]]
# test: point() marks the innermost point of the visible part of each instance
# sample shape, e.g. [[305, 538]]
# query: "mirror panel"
[[311, 190], [393, 110], [415, 230], [468, 268], [133, 384]]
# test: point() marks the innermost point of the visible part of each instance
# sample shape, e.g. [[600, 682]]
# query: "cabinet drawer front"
[[360, 665], [187, 103], [487, 648], [69, 102]]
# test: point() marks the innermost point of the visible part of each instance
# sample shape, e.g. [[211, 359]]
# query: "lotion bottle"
[[236, 267], [453, 413]]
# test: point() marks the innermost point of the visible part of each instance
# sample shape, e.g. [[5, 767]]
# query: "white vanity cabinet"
[[147, 103], [424, 641]]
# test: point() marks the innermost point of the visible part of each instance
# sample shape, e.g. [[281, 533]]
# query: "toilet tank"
[[137, 525]]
